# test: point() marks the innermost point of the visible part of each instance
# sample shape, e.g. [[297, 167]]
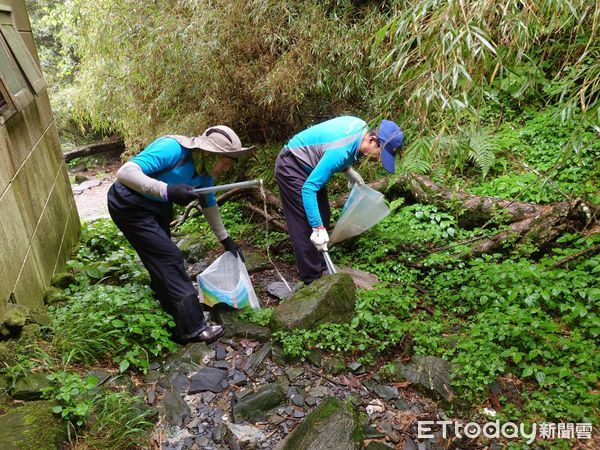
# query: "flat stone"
[[220, 353], [409, 444], [221, 365], [279, 289], [188, 359], [176, 382], [101, 375], [354, 366], [320, 391], [174, 409], [310, 401], [154, 366], [362, 279], [202, 441], [265, 398], [246, 434], [294, 372], [298, 414], [31, 386], [298, 399], [329, 299], [276, 419], [402, 405], [208, 397], [207, 379], [386, 392], [257, 359], [239, 379], [150, 396]]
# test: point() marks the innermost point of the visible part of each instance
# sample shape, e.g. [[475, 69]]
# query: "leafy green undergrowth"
[[108, 317], [119, 323], [493, 317], [541, 158]]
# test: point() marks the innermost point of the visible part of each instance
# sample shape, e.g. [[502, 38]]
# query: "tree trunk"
[[113, 145]]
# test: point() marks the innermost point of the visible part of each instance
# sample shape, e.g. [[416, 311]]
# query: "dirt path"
[[91, 187]]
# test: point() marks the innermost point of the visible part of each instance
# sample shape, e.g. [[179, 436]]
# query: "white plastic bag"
[[364, 209], [227, 281]]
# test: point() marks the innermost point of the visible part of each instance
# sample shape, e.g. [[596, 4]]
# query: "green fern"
[[482, 150], [417, 157]]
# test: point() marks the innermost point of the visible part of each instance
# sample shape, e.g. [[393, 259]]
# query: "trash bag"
[[227, 281], [364, 209]]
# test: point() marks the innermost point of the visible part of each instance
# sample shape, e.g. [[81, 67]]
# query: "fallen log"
[[114, 145], [471, 210]]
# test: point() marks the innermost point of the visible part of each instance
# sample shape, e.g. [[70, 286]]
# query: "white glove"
[[353, 177], [320, 238]]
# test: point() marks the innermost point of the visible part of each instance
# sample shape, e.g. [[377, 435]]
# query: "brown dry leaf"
[[402, 384], [349, 380], [405, 419], [248, 343]]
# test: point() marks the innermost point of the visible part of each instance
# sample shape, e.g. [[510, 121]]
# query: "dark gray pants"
[[145, 224], [290, 177]]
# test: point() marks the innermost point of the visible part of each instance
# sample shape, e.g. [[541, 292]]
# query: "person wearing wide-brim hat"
[[308, 161], [141, 201]]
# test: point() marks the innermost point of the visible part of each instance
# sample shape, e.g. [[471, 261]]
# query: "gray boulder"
[[328, 299], [430, 374], [332, 425]]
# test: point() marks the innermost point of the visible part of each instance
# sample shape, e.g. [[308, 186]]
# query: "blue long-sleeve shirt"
[[167, 160], [324, 149]]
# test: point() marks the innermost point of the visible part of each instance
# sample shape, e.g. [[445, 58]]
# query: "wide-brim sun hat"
[[391, 138], [218, 139]]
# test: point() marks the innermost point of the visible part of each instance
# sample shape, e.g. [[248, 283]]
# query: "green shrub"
[[124, 324], [108, 419]]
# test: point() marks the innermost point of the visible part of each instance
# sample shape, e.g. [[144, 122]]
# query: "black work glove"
[[181, 194], [232, 246]]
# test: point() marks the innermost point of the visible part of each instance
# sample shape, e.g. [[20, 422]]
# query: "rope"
[[263, 194]]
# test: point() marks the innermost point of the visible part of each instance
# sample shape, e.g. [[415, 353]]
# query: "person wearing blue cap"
[[308, 161]]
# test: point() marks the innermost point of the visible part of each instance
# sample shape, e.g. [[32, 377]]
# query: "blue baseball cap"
[[390, 137]]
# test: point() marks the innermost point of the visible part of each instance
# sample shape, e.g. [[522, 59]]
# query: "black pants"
[[145, 224], [290, 177]]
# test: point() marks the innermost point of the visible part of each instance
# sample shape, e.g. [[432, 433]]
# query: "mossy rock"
[[54, 295], [429, 374], [192, 248], [235, 327], [32, 427], [31, 386], [15, 315], [63, 280], [328, 299], [254, 406], [332, 425]]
